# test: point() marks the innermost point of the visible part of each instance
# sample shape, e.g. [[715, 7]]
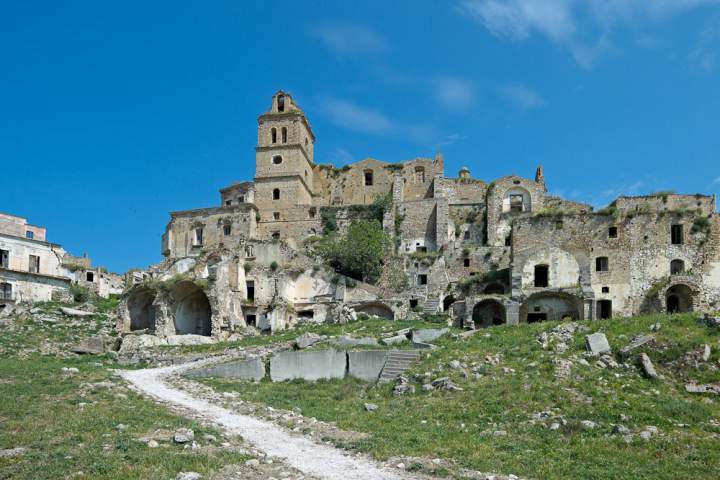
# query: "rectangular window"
[[227, 230], [612, 232], [467, 235], [422, 279], [368, 178], [29, 234], [602, 264], [516, 203], [5, 291], [541, 275], [4, 258], [466, 262], [34, 264], [198, 237], [228, 202], [276, 215], [90, 276], [676, 234], [251, 291]]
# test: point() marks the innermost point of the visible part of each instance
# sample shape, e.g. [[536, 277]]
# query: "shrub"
[[357, 254], [700, 224], [274, 265], [248, 266], [79, 294]]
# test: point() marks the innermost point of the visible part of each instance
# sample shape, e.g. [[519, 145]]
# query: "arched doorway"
[[141, 310], [488, 313], [376, 309], [192, 312], [679, 299], [447, 302], [551, 306]]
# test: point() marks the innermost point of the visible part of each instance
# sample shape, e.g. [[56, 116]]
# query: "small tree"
[[359, 253]]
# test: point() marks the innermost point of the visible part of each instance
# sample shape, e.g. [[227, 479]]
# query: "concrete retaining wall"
[[251, 369], [311, 365], [366, 365]]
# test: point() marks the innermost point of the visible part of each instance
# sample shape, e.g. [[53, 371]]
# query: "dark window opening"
[[241, 199], [368, 178], [276, 236], [276, 215], [227, 229], [90, 276], [313, 212], [284, 134], [541, 275], [676, 234], [677, 267], [277, 159], [306, 315], [421, 249], [466, 262], [612, 232], [5, 291], [250, 320], [250, 285], [29, 234], [273, 135], [198, 237], [281, 103], [508, 241], [276, 194], [605, 289], [4, 258], [604, 309], [413, 302], [536, 317], [34, 264], [422, 279], [228, 202], [602, 264], [466, 235]]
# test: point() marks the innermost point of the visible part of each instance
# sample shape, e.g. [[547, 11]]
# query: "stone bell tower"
[[283, 156]]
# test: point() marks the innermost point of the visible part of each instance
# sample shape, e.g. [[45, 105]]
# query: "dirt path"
[[311, 458]]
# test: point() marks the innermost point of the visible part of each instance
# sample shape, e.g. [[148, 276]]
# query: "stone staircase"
[[396, 363], [431, 306]]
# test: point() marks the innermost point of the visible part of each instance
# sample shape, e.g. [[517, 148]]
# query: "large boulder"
[[307, 340], [597, 344], [137, 343]]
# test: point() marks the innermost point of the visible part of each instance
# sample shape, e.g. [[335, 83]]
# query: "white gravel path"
[[311, 458]]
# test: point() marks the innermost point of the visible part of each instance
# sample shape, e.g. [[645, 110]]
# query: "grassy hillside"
[[514, 390], [84, 424]]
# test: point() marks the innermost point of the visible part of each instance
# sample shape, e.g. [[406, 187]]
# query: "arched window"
[[281, 103], [368, 177], [276, 194], [677, 267], [419, 174], [284, 134], [273, 135], [277, 159]]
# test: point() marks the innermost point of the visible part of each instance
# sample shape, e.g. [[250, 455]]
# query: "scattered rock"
[[588, 424], [706, 353], [444, 383], [184, 436], [707, 388], [655, 327], [348, 341], [72, 312], [636, 342], [403, 386], [307, 340], [188, 476], [647, 366], [153, 444], [12, 452], [70, 370], [620, 430], [97, 345], [254, 462], [371, 407], [428, 335], [597, 344], [454, 364], [395, 340]]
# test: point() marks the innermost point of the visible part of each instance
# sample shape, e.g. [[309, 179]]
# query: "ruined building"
[[33, 269], [483, 253]]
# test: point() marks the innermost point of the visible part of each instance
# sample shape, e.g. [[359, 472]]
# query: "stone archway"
[[376, 309], [679, 299], [141, 310], [193, 314], [447, 302], [551, 306], [488, 313]]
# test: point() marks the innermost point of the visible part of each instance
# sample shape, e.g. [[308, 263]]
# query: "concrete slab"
[[310, 365], [366, 365], [247, 369], [428, 335]]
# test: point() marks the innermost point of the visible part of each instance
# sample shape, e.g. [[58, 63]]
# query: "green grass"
[[40, 409], [456, 425]]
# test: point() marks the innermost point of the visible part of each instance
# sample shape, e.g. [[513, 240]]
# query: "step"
[[397, 362]]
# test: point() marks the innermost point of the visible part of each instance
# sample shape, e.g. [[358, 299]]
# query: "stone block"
[[248, 369], [597, 343], [310, 365], [428, 335], [366, 365]]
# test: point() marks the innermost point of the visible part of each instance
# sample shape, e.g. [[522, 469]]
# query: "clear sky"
[[112, 114]]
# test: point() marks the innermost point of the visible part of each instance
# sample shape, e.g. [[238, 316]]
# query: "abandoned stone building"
[[482, 253], [33, 269]]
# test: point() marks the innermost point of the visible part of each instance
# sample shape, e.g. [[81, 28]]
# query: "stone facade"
[[482, 253]]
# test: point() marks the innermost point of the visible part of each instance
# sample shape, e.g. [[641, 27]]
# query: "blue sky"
[[115, 113]]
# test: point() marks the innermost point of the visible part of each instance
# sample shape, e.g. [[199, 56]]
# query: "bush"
[[248, 266], [274, 265], [79, 294], [359, 253]]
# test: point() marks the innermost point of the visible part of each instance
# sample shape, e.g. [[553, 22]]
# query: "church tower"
[[284, 156]]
